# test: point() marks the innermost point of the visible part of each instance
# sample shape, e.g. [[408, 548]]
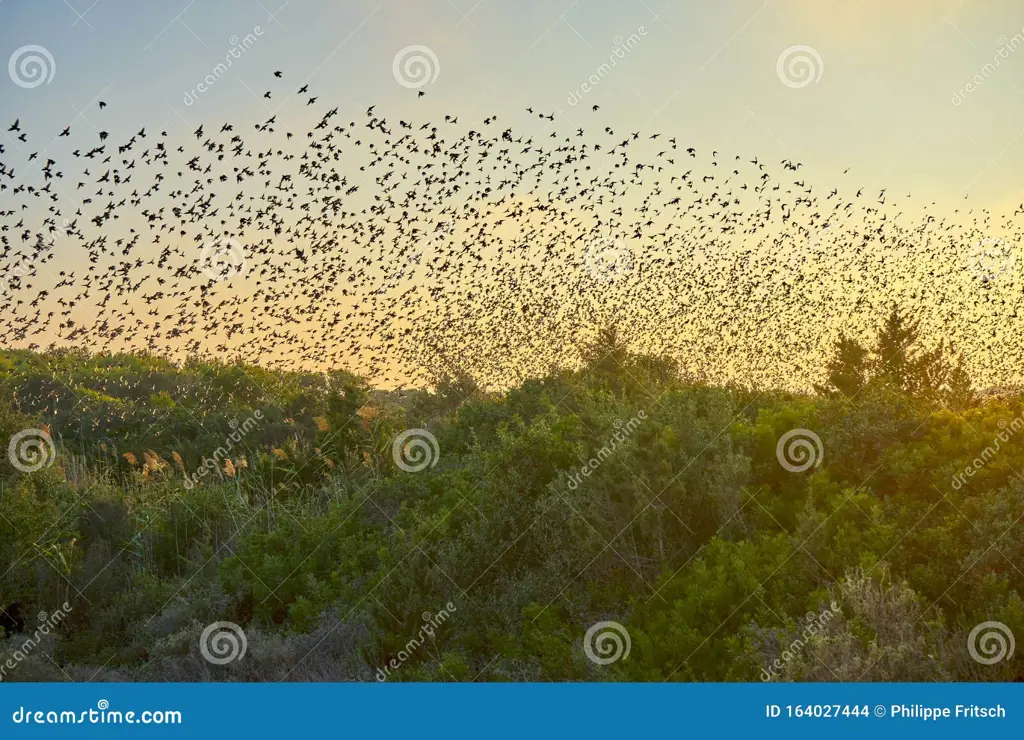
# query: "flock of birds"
[[404, 249]]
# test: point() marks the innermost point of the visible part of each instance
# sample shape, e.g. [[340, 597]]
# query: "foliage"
[[617, 491]]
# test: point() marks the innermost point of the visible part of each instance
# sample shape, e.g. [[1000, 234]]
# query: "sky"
[[917, 98], [882, 99]]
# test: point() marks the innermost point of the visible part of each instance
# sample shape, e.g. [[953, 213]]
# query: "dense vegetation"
[[687, 529]]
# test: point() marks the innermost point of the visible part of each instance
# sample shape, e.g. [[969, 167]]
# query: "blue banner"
[[510, 710]]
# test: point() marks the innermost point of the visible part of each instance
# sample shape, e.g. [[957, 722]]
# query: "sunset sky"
[[916, 97], [704, 71]]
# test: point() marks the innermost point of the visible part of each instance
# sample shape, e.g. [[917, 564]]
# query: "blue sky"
[[705, 71]]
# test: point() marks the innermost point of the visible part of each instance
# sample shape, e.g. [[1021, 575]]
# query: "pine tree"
[[959, 388], [848, 368], [895, 358], [898, 360], [606, 357]]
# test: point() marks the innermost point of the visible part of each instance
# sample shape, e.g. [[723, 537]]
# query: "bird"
[[381, 243]]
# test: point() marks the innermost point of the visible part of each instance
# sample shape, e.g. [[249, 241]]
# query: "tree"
[[454, 388], [848, 368], [896, 359], [899, 361], [959, 388], [343, 434], [606, 357], [609, 363]]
